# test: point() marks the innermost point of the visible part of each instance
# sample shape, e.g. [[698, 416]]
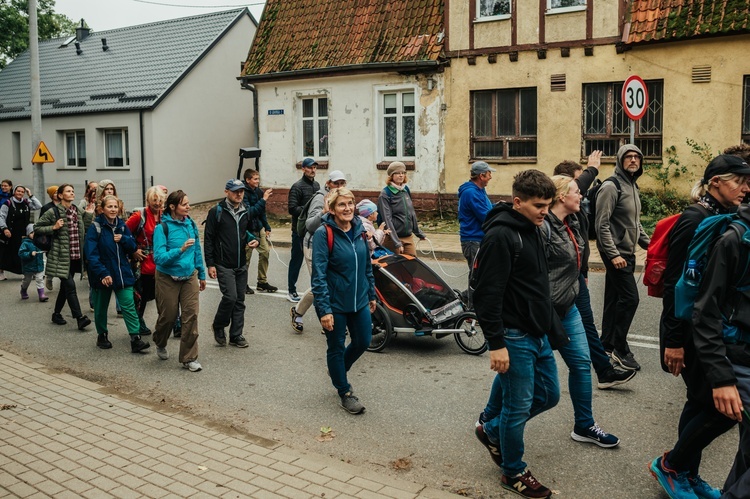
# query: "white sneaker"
[[162, 353], [192, 366]]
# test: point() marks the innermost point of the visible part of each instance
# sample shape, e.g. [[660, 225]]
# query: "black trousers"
[[620, 304], [68, 291]]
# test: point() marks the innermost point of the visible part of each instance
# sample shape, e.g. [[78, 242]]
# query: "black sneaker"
[[137, 345], [351, 404], [264, 286], [239, 342], [83, 321], [494, 449], [249, 290], [626, 361], [220, 336], [144, 330], [103, 342], [58, 319], [613, 377], [525, 485]]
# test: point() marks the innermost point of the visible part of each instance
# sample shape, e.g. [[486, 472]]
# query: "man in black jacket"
[[299, 194], [226, 237], [512, 301]]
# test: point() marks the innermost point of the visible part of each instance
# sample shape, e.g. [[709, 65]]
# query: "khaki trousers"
[[172, 295]]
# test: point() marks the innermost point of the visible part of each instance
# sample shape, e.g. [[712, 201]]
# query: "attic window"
[[557, 83], [67, 42], [701, 74]]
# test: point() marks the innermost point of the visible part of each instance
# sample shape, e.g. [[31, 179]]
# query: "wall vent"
[[701, 74], [557, 83]]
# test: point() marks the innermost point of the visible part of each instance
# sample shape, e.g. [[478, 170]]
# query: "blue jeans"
[[576, 357], [340, 359], [599, 357], [529, 388], [295, 262]]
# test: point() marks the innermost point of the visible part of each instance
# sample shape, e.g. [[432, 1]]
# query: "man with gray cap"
[[473, 205], [318, 207], [225, 238], [618, 231]]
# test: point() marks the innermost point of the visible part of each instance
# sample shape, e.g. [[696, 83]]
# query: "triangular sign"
[[42, 154]]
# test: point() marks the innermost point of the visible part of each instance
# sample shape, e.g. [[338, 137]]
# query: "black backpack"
[[301, 227], [589, 204], [44, 241]]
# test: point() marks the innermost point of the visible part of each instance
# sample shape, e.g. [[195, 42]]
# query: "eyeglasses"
[[632, 156]]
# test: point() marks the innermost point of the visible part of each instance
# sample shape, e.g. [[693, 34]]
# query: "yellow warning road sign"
[[42, 154]]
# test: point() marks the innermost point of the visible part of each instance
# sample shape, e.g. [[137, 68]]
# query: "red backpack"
[[656, 256]]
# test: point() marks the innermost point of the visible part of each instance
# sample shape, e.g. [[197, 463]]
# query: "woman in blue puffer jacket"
[[344, 290], [107, 248]]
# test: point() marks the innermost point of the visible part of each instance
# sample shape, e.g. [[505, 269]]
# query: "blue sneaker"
[[702, 489], [675, 484], [594, 435]]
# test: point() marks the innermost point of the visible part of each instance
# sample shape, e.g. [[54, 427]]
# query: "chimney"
[[82, 32], [105, 47], [78, 48]]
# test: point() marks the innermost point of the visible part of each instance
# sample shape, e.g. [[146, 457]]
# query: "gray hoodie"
[[618, 221]]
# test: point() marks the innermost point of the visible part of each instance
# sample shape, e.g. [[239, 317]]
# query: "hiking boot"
[[137, 345], [193, 366], [220, 336], [264, 286], [58, 319], [143, 329], [162, 353], [293, 297], [103, 342], [83, 321], [351, 404], [703, 489], [239, 342], [525, 485], [2, 276], [594, 435], [24, 294], [613, 377], [626, 361], [249, 290], [42, 296], [297, 326], [494, 448], [675, 484], [177, 328]]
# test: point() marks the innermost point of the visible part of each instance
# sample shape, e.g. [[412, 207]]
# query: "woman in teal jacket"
[[180, 277], [344, 290]]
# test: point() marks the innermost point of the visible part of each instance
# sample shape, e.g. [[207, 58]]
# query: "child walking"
[[32, 265]]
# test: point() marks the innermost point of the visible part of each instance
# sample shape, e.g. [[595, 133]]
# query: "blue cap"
[[234, 184], [308, 162]]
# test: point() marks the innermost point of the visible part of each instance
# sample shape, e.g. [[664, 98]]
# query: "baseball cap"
[[234, 185], [726, 163], [336, 175], [480, 167], [308, 162]]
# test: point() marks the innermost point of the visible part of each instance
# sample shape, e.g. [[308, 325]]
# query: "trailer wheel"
[[472, 339], [381, 329]]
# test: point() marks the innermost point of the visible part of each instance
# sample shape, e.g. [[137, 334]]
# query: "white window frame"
[[562, 10], [76, 134], [316, 119], [481, 18], [126, 146], [399, 115]]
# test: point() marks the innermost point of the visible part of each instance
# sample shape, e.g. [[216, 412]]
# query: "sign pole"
[[36, 100], [632, 131]]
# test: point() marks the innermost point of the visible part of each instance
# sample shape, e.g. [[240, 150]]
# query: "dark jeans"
[[599, 358], [232, 284], [295, 262], [470, 249], [620, 304], [340, 358], [68, 291]]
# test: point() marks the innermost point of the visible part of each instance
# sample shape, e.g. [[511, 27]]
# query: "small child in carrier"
[[32, 264], [368, 214]]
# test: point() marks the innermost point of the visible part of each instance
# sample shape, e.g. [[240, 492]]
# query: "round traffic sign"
[[634, 97]]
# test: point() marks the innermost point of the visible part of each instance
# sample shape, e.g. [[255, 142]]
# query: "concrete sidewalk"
[[64, 437]]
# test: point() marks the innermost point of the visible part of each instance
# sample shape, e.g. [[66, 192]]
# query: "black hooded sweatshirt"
[[512, 287]]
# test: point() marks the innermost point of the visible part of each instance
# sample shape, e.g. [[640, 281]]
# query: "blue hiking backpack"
[[706, 235]]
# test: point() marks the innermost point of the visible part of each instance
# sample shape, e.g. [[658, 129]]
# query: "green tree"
[[14, 26]]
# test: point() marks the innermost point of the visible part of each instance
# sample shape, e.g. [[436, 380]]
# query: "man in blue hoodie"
[[473, 205]]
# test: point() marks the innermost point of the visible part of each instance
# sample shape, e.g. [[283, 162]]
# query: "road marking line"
[[644, 345]]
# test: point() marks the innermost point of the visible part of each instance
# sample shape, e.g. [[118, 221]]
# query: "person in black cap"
[[299, 194], [721, 189], [473, 205]]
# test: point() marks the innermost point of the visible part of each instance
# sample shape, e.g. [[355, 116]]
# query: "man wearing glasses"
[[300, 192], [618, 230]]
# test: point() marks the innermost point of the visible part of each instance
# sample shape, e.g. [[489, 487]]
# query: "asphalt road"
[[422, 395]]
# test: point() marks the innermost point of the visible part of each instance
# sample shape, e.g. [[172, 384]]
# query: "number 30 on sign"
[[635, 97]]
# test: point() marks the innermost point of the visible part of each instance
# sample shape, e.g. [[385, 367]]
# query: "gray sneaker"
[[239, 342], [162, 353], [351, 404], [192, 366]]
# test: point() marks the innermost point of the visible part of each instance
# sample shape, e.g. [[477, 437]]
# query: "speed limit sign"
[[635, 97]]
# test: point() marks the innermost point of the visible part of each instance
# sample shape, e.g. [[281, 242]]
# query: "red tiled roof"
[[667, 20], [318, 34]]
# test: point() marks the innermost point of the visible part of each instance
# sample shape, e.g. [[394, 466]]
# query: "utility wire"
[[199, 6]]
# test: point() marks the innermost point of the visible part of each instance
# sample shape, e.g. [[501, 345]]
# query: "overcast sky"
[[102, 15]]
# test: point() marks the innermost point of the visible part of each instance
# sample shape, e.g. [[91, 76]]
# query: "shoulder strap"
[[98, 228], [165, 229], [548, 226], [218, 211], [517, 247], [329, 238]]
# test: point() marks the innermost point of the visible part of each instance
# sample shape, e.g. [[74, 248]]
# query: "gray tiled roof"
[[143, 63]]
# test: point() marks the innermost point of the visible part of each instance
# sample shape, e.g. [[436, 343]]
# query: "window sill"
[[505, 161], [71, 168], [383, 165], [565, 10], [113, 168], [322, 165], [490, 19]]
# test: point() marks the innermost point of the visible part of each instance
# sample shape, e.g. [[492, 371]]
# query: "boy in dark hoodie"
[[513, 304]]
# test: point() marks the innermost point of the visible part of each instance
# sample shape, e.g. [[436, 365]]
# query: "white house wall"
[[353, 129], [201, 125]]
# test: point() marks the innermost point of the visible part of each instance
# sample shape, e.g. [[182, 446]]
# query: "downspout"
[[256, 131], [143, 156]]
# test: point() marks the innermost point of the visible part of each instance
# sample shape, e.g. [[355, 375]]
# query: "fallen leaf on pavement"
[[402, 463]]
